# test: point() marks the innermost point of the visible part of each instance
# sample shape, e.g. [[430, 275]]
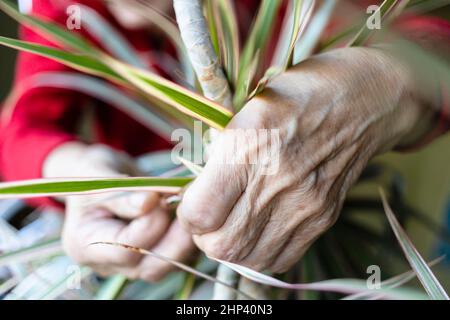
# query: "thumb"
[[210, 198]]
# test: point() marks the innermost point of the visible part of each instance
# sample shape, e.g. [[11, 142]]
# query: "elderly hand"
[[334, 112], [137, 219]]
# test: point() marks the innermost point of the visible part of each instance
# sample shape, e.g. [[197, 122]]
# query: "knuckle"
[[316, 202], [322, 211], [218, 248], [320, 207], [255, 114], [280, 268], [254, 265], [196, 216], [327, 219]]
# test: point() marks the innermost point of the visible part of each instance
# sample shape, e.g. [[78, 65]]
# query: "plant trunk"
[[196, 38]]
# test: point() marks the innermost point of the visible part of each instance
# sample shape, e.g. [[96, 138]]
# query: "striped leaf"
[[79, 62], [40, 250], [225, 35], [256, 43], [72, 186], [95, 62], [182, 99], [153, 85], [364, 33], [45, 28], [418, 264]]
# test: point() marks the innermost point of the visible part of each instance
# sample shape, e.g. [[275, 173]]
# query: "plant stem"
[[195, 34], [196, 38]]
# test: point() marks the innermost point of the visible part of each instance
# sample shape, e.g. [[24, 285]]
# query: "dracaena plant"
[[236, 72]]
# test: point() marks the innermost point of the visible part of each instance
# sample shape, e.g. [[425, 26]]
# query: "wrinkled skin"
[[335, 112]]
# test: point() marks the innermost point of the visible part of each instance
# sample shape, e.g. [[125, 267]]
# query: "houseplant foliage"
[[240, 72]]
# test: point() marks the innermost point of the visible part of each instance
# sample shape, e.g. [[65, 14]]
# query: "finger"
[[177, 245], [209, 199], [142, 232], [280, 229], [302, 239], [291, 254], [268, 246], [295, 247], [237, 237], [131, 206], [146, 231], [229, 242]]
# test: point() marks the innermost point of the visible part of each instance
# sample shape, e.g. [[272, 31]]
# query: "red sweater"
[[44, 118]]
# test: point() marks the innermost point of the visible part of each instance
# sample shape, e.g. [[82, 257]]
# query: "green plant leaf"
[[57, 33], [398, 9], [175, 263], [257, 42], [270, 73], [79, 62], [36, 251], [182, 99], [308, 42], [71, 186], [418, 264], [337, 38], [210, 15], [294, 26], [392, 283], [347, 286], [155, 86], [334, 285], [364, 33], [169, 27], [188, 286], [225, 26], [302, 13], [109, 37], [111, 288], [56, 290], [423, 6], [194, 168]]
